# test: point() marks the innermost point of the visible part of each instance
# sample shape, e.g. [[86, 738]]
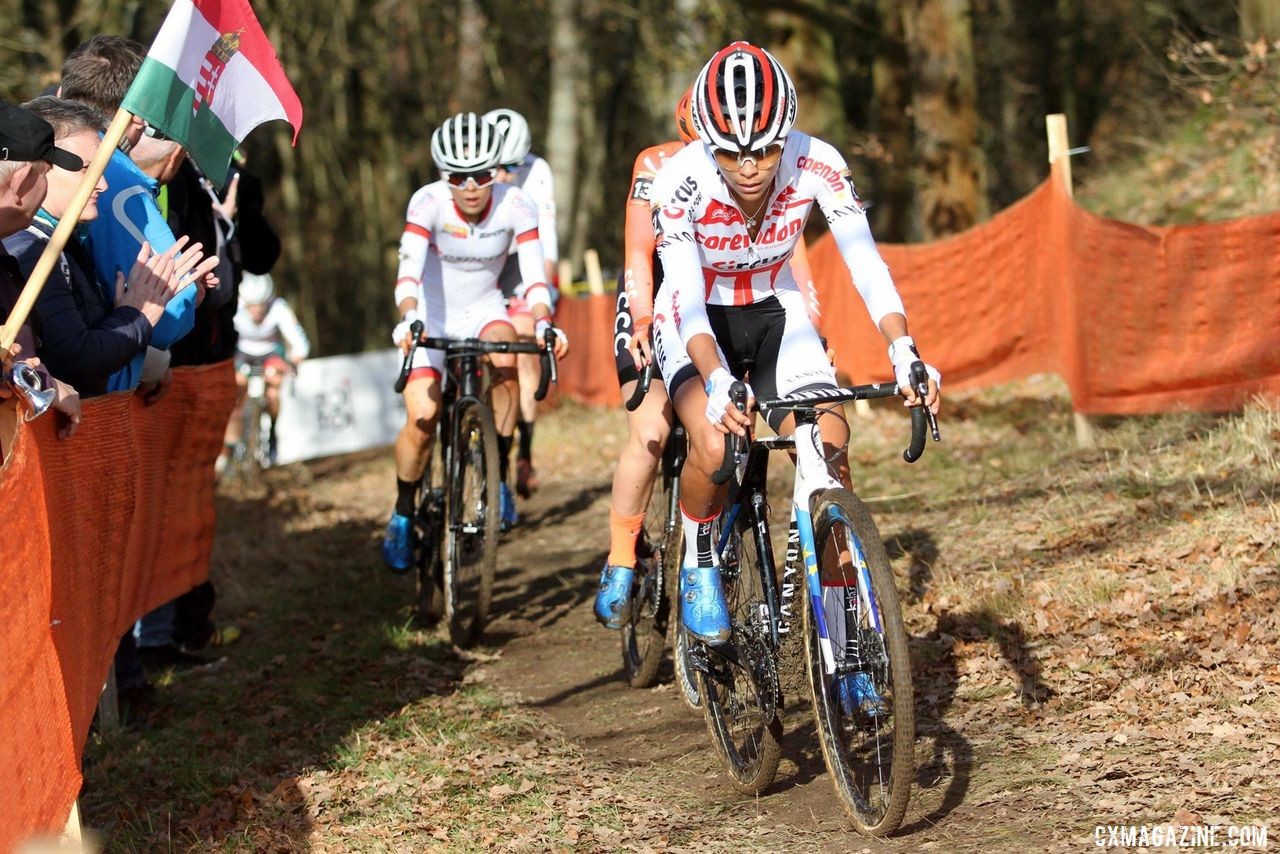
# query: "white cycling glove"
[[402, 328], [903, 353], [540, 329], [718, 394]]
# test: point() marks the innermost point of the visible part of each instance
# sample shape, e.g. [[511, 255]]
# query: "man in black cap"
[[26, 152]]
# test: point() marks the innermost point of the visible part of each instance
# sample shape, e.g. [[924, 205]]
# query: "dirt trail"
[[559, 661]]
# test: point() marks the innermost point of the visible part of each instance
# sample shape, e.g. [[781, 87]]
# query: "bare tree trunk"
[[1259, 19], [951, 190], [567, 50], [471, 59], [890, 74]]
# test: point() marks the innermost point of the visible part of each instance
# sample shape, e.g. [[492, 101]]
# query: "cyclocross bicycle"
[[457, 519], [857, 662]]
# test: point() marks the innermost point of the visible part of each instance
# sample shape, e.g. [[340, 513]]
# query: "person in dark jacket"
[[83, 338]]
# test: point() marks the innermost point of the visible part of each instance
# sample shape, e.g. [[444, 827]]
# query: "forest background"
[[938, 105]]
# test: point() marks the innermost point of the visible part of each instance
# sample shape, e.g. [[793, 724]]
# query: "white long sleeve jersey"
[[709, 258], [455, 263], [279, 328], [534, 177]]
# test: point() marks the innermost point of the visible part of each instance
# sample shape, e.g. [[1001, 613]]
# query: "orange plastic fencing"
[[98, 530], [1136, 319]]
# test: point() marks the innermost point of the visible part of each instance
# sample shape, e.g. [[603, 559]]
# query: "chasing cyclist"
[[650, 424], [729, 214], [269, 337], [532, 174], [457, 234]]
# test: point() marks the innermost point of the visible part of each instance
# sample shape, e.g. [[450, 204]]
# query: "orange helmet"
[[684, 117]]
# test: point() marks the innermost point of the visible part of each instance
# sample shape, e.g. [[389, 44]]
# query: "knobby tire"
[[870, 757], [473, 501]]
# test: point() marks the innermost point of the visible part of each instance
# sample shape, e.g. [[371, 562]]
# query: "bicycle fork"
[[812, 476]]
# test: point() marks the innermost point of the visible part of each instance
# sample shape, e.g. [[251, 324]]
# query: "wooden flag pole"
[[61, 234], [1060, 157]]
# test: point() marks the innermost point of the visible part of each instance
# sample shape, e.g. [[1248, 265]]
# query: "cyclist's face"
[[470, 199], [257, 312], [749, 174]]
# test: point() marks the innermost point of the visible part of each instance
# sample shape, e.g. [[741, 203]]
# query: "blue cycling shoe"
[[397, 543], [509, 515], [703, 610], [858, 691], [614, 595]]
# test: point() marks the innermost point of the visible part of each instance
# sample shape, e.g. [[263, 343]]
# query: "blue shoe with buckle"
[[397, 543], [509, 515], [703, 610], [614, 595], [858, 691]]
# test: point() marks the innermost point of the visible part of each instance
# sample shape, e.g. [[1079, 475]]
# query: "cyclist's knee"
[[504, 369], [706, 448], [649, 432]]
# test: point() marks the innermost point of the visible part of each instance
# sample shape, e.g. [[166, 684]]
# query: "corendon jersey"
[[534, 177], [454, 263], [709, 258]]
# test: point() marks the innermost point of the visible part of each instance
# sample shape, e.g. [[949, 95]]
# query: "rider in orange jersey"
[[649, 426]]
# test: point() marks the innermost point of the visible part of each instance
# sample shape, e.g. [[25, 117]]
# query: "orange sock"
[[623, 531]]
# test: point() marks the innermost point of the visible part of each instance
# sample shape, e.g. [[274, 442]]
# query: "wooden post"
[[109, 703], [73, 832], [1059, 156], [566, 278], [595, 281]]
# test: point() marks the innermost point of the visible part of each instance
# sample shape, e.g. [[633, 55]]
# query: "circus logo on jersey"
[[459, 231], [672, 213], [718, 213]]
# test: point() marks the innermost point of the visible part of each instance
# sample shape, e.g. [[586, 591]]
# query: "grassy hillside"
[[1208, 149]]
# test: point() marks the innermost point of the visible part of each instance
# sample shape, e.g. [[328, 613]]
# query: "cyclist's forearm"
[[893, 326], [704, 354]]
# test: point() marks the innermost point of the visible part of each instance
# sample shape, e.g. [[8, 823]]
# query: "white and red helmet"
[[743, 99]]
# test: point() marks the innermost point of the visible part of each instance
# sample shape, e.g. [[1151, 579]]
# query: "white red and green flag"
[[210, 77]]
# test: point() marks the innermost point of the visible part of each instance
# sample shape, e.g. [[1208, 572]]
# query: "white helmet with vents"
[[256, 289], [466, 143], [516, 140]]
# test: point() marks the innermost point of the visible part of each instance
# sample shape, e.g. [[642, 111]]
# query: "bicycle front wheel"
[[738, 683], [861, 688], [429, 523], [471, 531]]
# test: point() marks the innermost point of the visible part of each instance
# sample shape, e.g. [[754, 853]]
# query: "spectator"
[[99, 73], [82, 339], [26, 153]]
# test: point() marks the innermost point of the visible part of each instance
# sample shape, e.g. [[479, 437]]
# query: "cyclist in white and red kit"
[[457, 234], [729, 213]]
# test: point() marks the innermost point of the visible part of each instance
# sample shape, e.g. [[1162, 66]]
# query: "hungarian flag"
[[210, 77]]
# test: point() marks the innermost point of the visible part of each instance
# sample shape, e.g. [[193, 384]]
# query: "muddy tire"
[[471, 532], [868, 744]]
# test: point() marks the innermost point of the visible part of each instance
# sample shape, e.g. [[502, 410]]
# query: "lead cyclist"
[[729, 213]]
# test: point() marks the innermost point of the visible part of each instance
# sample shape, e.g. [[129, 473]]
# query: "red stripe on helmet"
[[713, 103], [766, 103]]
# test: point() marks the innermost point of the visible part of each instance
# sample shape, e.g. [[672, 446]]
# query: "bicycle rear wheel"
[[471, 533], [863, 711], [739, 682], [644, 633], [429, 524]]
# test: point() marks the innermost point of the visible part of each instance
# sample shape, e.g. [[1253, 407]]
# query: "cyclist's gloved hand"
[[903, 354], [400, 335], [720, 411], [562, 340]]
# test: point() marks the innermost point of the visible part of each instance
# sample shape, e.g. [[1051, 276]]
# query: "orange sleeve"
[[638, 240]]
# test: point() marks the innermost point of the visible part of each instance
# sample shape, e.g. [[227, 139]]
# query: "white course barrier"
[[339, 404]]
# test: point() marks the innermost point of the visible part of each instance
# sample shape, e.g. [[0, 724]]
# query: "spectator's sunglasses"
[[481, 178], [153, 132]]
